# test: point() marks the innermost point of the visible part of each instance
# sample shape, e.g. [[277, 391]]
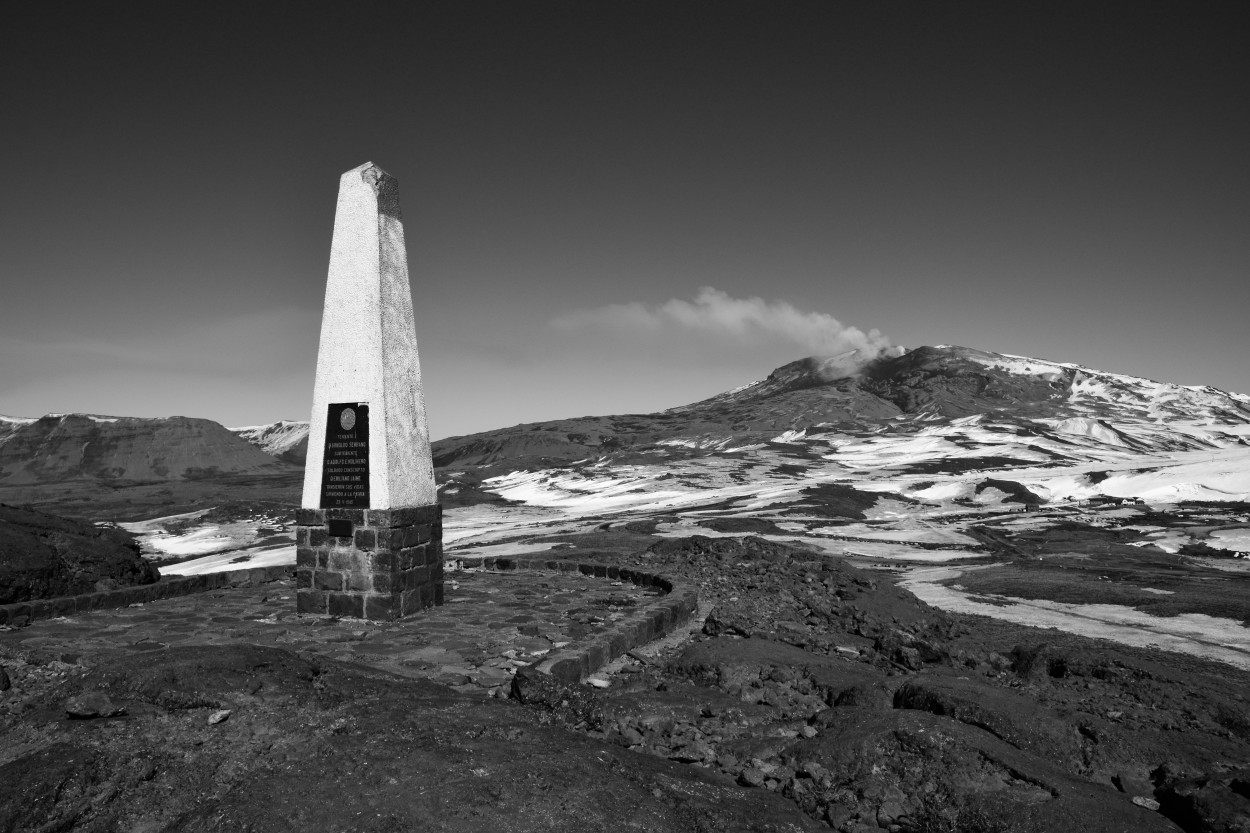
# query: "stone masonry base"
[[369, 563]]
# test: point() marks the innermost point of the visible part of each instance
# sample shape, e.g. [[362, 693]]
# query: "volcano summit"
[[924, 392]]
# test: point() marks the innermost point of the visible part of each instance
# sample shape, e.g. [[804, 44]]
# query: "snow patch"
[[272, 556], [1237, 540], [1196, 634]]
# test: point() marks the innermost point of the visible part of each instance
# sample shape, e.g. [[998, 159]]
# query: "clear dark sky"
[[1065, 181]]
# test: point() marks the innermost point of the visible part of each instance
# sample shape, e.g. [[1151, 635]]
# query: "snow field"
[[1190, 633]]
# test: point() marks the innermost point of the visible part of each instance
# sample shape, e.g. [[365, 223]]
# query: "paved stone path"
[[492, 624]]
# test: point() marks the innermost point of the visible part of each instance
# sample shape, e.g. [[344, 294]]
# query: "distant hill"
[[65, 447]]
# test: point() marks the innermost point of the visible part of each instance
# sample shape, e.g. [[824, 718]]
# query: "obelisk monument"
[[369, 535]]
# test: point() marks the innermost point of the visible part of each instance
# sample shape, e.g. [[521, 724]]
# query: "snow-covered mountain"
[[942, 426], [931, 408], [931, 420], [286, 440]]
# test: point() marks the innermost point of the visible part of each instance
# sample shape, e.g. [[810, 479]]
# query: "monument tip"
[[370, 174], [368, 166]]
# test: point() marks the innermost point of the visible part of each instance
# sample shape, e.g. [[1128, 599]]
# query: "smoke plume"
[[716, 313]]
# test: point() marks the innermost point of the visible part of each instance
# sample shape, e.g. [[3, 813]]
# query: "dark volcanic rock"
[[1210, 803], [327, 746], [1014, 718], [883, 766], [735, 665], [834, 500], [1042, 663], [91, 704], [801, 598], [758, 525], [725, 549], [946, 380], [573, 705], [947, 754], [43, 555], [1016, 492]]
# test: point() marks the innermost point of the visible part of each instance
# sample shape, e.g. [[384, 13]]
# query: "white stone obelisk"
[[368, 350], [368, 539]]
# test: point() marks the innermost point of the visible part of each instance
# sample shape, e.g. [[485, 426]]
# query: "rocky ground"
[[869, 710], [43, 555], [813, 696], [246, 738]]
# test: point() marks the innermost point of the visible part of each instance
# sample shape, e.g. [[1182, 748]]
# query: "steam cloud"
[[716, 313]]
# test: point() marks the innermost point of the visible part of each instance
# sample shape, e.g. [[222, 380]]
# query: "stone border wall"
[[637, 628], [576, 662], [23, 613]]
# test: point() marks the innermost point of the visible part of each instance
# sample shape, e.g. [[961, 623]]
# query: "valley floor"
[[1111, 571]]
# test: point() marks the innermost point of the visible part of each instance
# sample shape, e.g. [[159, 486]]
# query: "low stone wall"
[[23, 613], [651, 622], [575, 662]]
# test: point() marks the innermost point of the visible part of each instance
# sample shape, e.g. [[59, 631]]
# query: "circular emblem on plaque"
[[347, 419]]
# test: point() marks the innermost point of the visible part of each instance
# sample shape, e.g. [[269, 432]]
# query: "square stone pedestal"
[[369, 563]]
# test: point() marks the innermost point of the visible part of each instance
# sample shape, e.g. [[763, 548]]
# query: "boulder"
[[1216, 802]]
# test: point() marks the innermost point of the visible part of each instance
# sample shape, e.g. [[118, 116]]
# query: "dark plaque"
[[345, 467]]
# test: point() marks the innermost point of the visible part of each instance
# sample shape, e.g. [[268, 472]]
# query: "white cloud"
[[716, 313]]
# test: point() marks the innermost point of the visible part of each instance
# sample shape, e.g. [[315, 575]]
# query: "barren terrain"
[[958, 591]]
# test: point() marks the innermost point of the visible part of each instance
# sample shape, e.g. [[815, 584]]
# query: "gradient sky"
[[1066, 181]]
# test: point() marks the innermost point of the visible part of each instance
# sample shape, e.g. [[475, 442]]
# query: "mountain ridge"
[[61, 447], [1055, 410], [903, 394]]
